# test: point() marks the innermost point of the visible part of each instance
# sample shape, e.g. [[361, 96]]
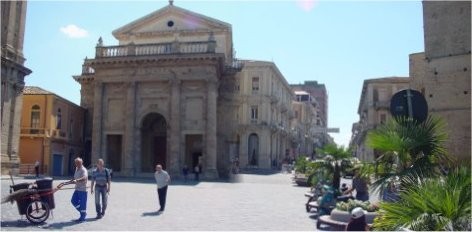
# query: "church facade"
[[155, 97]]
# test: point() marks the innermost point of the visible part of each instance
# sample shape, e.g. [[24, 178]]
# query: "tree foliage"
[[432, 204]]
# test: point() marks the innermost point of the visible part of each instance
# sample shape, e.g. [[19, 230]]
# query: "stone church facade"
[[13, 74], [156, 97]]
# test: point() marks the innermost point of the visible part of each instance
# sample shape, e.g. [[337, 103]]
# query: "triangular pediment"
[[170, 19]]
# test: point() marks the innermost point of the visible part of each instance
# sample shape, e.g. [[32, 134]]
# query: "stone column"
[[130, 163], [209, 168], [97, 131], [174, 121]]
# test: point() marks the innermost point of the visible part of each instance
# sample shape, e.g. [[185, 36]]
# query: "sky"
[[337, 43]]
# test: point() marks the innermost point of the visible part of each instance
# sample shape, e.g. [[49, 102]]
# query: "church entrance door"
[[154, 142]]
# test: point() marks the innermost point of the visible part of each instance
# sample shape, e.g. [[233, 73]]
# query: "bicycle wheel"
[[37, 212]]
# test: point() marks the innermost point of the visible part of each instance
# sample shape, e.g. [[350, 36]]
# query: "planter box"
[[345, 216]]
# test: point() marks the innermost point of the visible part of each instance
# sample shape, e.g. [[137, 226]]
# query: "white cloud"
[[73, 31]]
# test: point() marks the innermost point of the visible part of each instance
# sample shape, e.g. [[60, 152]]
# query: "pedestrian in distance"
[[79, 198], [101, 180], [36, 168], [162, 181], [185, 172], [357, 221], [197, 170]]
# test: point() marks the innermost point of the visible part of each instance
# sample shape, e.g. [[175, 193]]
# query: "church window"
[[255, 84], [35, 118], [59, 119], [170, 23], [254, 114]]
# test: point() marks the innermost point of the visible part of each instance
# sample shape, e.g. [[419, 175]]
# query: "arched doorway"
[[253, 150], [154, 142]]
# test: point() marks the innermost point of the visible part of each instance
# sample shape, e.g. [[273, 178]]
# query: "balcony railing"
[[156, 49], [43, 132], [33, 131], [382, 104]]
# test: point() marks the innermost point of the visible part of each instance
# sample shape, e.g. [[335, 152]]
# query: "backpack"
[[107, 174]]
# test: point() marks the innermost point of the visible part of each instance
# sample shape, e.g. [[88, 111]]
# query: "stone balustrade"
[[156, 49]]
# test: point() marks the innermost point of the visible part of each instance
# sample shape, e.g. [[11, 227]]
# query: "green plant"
[[351, 204], [440, 203], [407, 147], [335, 161], [301, 163]]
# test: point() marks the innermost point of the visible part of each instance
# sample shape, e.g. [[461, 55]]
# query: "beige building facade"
[[12, 75], [155, 97], [373, 110], [303, 123], [442, 72], [263, 113]]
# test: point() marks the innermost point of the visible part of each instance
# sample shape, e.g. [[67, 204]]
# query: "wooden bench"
[[336, 225], [326, 219]]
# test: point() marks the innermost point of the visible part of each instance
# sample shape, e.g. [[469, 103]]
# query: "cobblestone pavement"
[[255, 202]]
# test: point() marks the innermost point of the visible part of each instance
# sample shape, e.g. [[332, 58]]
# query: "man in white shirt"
[[162, 181], [79, 198]]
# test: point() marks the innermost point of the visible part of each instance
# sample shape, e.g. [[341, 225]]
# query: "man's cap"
[[357, 213]]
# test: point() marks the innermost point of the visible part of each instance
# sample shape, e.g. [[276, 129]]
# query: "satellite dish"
[[409, 103]]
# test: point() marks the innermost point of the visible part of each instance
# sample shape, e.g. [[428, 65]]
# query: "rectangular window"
[[255, 84], [254, 114]]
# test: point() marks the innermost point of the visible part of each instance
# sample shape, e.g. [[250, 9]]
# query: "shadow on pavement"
[[259, 171], [22, 223], [154, 213], [61, 225]]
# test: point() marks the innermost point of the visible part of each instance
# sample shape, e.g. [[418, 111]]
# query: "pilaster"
[[130, 164], [97, 131], [210, 171], [174, 121]]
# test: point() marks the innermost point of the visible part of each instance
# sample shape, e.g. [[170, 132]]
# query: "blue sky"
[[337, 43]]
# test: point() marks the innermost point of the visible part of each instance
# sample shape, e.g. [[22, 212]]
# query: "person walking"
[[79, 198], [101, 181], [162, 181]]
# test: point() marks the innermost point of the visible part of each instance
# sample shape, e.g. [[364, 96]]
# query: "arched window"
[[59, 119], [35, 118]]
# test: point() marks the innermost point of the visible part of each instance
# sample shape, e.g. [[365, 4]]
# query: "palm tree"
[[336, 161], [432, 204], [407, 147]]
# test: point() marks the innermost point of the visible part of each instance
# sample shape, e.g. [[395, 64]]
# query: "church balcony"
[[155, 49], [382, 105], [234, 67]]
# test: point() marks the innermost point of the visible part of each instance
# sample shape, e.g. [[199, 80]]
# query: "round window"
[[170, 23]]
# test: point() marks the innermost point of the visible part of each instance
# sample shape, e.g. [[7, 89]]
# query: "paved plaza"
[[267, 201]]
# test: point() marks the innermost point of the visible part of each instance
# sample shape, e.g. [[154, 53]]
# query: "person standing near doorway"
[[101, 181], [185, 172], [197, 169], [36, 168], [162, 181], [79, 198]]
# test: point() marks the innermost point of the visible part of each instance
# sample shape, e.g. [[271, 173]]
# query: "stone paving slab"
[[255, 203]]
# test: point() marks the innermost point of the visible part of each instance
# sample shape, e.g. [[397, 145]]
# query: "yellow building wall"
[[66, 141]]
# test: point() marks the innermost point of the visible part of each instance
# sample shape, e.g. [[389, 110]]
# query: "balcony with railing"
[[155, 49], [382, 105], [40, 132]]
